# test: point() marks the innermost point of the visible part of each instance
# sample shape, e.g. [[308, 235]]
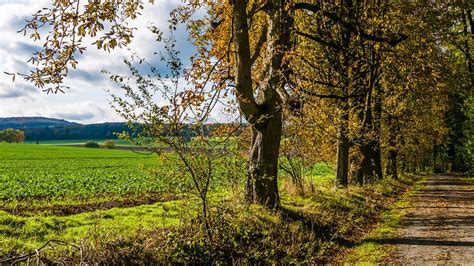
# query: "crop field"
[[39, 171], [29, 171]]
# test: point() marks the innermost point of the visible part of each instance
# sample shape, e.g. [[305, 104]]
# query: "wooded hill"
[[42, 128], [33, 122]]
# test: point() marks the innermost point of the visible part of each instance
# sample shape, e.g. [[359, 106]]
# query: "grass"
[[310, 229], [27, 233], [469, 179], [370, 250]]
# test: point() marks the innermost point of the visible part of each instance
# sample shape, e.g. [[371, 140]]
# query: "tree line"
[[378, 87], [68, 132]]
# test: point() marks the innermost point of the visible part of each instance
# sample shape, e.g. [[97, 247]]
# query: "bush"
[[91, 144], [109, 144]]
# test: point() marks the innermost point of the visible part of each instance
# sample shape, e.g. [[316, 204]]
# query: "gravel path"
[[439, 228]]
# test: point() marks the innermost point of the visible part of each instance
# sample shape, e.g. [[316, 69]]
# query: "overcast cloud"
[[87, 100]]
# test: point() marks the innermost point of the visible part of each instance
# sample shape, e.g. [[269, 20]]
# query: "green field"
[[49, 192], [36, 170]]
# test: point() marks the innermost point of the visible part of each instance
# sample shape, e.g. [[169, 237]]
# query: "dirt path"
[[439, 228]]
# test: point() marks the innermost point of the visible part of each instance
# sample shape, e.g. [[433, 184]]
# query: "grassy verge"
[[20, 234], [469, 179], [370, 250]]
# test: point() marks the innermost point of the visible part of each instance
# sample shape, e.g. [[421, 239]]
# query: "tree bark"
[[370, 168], [342, 160], [264, 111], [392, 156], [392, 168], [366, 170], [467, 21], [243, 65], [376, 147], [262, 187]]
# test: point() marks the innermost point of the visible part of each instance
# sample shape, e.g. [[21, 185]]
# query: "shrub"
[[109, 144], [91, 144]]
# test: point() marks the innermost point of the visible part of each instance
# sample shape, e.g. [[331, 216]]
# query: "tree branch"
[[330, 96], [319, 40], [392, 40]]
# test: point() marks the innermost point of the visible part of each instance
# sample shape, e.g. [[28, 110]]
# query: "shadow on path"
[[422, 241], [439, 226]]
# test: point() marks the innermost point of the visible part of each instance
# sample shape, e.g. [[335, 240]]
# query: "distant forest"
[[38, 129], [93, 131]]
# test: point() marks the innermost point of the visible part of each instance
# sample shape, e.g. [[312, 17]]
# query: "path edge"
[[369, 251]]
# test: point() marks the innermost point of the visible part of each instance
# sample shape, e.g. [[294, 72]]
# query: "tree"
[[469, 132], [109, 144], [264, 112], [11, 135], [251, 39], [338, 60], [259, 95], [19, 136], [459, 38]]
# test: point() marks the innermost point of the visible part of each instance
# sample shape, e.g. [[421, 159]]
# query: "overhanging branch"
[[319, 40], [392, 40]]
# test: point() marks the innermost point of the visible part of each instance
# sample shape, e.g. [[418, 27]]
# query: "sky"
[[87, 100]]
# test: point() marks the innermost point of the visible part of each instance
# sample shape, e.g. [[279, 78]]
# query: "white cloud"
[[78, 112], [86, 101]]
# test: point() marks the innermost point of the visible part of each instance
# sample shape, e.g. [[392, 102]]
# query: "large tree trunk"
[[342, 160], [378, 172], [435, 153], [370, 168], [363, 170], [376, 147], [262, 184], [392, 167], [264, 111]]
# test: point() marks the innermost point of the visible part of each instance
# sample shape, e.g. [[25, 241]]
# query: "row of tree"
[[11, 135], [371, 85], [376, 86]]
